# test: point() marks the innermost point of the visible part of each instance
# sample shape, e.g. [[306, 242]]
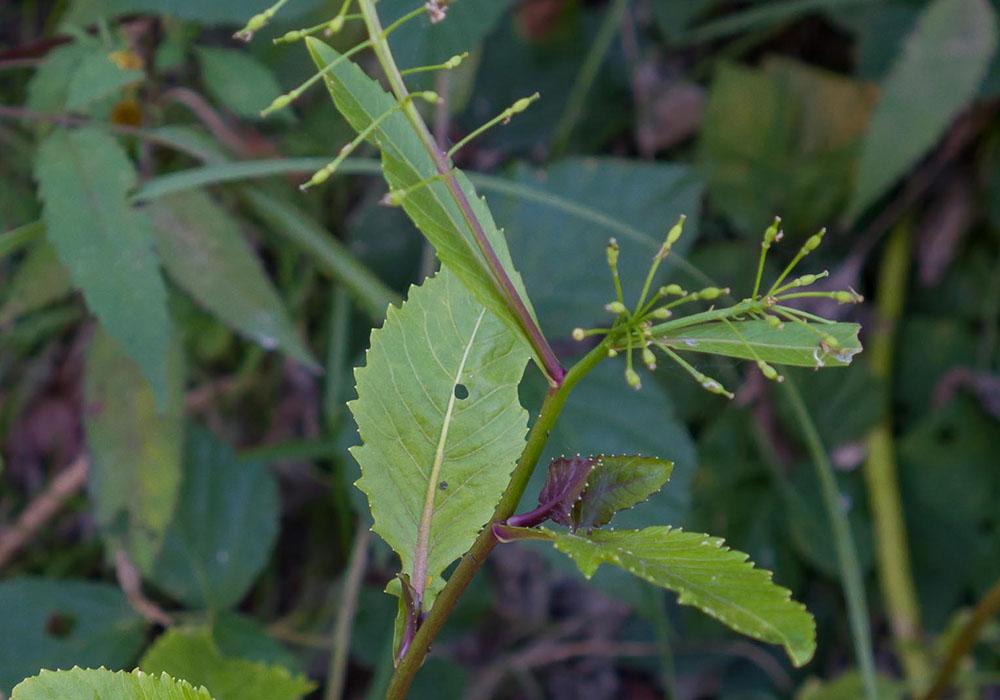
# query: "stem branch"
[[549, 362]]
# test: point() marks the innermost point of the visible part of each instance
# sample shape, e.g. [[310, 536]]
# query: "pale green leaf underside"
[[793, 345], [84, 179], [405, 163], [203, 250], [101, 684], [939, 71], [190, 653], [715, 579], [440, 338]]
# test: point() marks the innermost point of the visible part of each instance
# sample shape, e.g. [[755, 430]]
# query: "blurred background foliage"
[[178, 325]]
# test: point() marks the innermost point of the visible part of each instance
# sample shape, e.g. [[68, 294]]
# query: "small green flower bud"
[[662, 313], [455, 61], [579, 334], [774, 322], [675, 233], [279, 102], [394, 198], [830, 342], [612, 352], [632, 377], [293, 35], [771, 234], [616, 307], [812, 243], [769, 371], [710, 293], [714, 386], [847, 297], [672, 289], [612, 252], [430, 96], [522, 104], [649, 359], [335, 25]]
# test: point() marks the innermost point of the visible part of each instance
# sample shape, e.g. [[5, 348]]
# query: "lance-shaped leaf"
[[85, 177], [90, 684], [618, 483], [203, 250], [715, 579], [409, 167], [441, 425], [794, 344]]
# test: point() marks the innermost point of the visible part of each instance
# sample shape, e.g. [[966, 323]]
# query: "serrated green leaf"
[[238, 81], [939, 71], [203, 250], [191, 653], [618, 483], [135, 449], [39, 281], [793, 345], [46, 622], [98, 75], [49, 86], [223, 528], [84, 178], [441, 425], [101, 684], [406, 164], [715, 579]]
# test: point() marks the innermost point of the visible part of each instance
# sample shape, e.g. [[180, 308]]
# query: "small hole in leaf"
[[60, 625], [461, 391]]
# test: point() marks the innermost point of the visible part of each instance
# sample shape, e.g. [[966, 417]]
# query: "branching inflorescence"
[[444, 458]]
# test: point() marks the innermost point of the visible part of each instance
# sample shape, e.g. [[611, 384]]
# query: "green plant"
[[444, 460]]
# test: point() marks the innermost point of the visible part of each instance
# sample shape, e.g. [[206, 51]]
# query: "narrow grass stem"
[[847, 554]]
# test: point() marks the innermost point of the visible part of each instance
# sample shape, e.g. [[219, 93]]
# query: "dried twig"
[[130, 581], [43, 508]]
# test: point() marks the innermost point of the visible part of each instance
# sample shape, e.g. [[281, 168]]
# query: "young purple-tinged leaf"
[[616, 483], [564, 486]]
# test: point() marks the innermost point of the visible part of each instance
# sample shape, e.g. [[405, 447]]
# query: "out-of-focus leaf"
[[441, 425], [101, 684], [203, 250], [100, 74], [40, 280], [49, 86], [85, 178], [231, 12], [939, 72], [782, 139], [715, 579], [238, 635], [950, 484], [56, 624], [135, 449], [238, 81], [407, 167], [674, 18], [850, 686], [794, 344], [191, 654], [563, 257], [223, 527]]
